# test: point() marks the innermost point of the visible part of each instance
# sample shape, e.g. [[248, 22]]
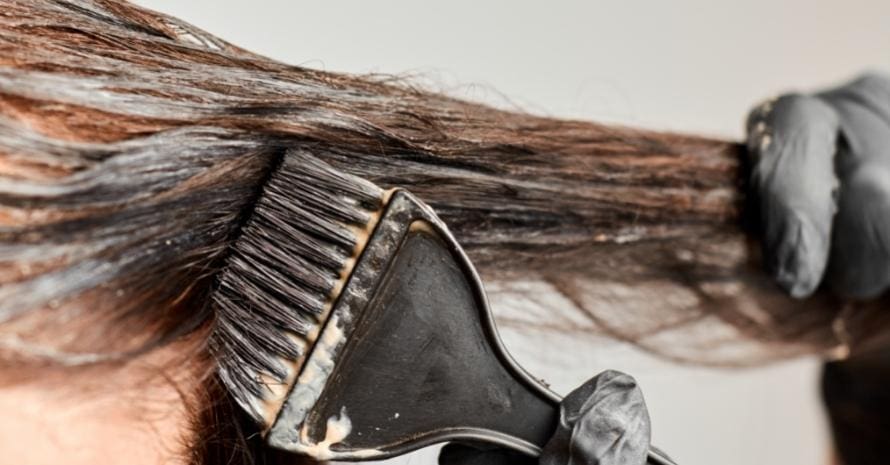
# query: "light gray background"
[[686, 65]]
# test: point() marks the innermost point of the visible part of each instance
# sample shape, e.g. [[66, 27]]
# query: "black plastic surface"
[[442, 376]]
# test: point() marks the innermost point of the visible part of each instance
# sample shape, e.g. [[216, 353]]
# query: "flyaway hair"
[[142, 158]]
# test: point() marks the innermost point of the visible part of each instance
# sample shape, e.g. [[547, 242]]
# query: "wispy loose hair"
[[135, 148]]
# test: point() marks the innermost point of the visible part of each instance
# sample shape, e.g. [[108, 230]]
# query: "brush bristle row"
[[282, 272]]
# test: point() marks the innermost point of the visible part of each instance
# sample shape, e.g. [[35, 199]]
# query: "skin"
[[135, 414]]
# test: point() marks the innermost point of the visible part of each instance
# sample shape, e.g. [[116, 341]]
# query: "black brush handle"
[[420, 366], [425, 365], [411, 357]]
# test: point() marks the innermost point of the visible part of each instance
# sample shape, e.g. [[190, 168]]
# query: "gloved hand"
[[821, 179], [603, 422]]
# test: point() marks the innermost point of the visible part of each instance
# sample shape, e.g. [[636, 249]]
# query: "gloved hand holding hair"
[[821, 178], [821, 182]]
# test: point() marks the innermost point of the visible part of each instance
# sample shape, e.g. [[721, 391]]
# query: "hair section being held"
[[134, 148]]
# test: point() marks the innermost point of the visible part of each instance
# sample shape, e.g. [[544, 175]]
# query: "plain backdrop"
[[684, 65]]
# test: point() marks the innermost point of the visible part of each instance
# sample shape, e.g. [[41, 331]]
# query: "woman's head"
[[135, 148]]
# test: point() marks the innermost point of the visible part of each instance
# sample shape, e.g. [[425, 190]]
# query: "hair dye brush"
[[389, 344]]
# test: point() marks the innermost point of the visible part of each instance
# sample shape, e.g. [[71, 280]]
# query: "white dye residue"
[[337, 429]]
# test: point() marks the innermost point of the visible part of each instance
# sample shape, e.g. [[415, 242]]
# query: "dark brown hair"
[[134, 147]]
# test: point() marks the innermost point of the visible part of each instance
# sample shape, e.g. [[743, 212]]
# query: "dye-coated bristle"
[[283, 272]]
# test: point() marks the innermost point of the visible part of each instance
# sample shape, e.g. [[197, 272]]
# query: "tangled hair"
[[133, 148]]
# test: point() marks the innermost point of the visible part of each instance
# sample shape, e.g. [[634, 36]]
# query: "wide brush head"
[[285, 271], [410, 356]]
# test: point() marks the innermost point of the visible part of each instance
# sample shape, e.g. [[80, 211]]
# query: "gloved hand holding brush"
[[603, 422], [821, 177]]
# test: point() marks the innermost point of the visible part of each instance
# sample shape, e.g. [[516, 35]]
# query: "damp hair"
[[134, 149]]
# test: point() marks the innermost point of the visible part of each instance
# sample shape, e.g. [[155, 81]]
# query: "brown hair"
[[133, 148]]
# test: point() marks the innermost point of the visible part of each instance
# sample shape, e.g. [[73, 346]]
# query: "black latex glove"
[[821, 177], [603, 422]]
